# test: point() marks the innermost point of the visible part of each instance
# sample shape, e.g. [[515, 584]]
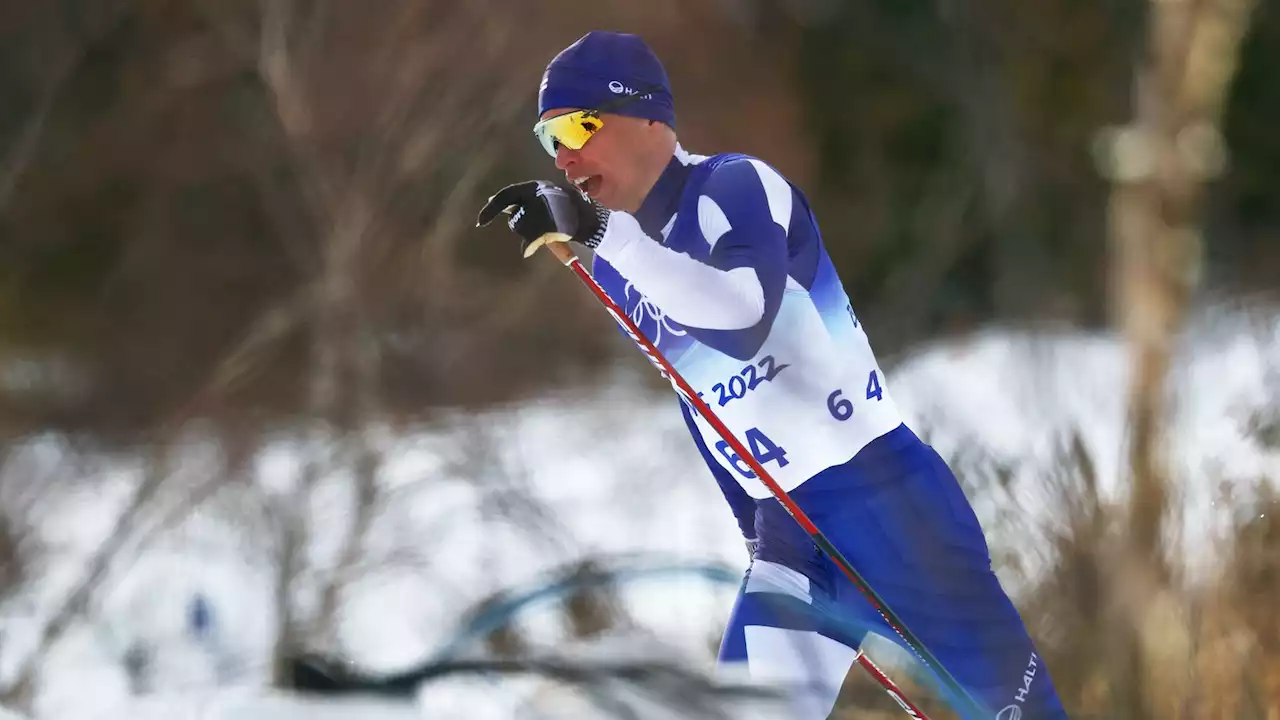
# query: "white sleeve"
[[690, 292]]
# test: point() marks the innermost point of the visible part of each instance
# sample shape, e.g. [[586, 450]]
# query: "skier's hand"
[[752, 545], [542, 212]]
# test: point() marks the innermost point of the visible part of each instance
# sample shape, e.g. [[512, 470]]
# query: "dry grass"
[[1216, 639], [1212, 645]]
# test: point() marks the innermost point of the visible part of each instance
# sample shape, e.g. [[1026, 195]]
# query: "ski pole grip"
[[559, 246]]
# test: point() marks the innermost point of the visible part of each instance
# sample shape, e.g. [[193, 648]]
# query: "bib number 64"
[[762, 448], [840, 407]]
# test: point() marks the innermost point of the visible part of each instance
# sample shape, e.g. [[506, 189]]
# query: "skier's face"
[[614, 165]]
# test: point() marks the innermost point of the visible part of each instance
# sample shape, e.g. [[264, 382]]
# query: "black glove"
[[543, 212]]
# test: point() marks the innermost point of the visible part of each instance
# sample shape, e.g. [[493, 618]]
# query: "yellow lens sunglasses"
[[573, 129]]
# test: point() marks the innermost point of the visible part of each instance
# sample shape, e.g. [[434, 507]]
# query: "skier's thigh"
[[772, 640], [921, 547]]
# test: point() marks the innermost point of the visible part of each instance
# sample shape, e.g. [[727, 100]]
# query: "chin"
[[610, 201]]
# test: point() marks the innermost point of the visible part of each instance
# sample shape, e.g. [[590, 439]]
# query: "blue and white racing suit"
[[724, 269]]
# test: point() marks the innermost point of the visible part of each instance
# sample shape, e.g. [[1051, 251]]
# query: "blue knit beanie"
[[603, 67]]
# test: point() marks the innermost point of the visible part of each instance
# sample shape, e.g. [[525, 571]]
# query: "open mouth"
[[589, 184]]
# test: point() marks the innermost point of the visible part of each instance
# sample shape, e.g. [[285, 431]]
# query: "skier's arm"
[[744, 211], [742, 504]]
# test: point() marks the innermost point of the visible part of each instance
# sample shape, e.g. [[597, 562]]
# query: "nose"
[[566, 158]]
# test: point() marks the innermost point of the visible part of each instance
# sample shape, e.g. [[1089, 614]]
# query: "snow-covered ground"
[[620, 476], [1014, 399]]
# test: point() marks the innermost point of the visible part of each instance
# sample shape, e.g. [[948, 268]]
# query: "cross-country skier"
[[720, 262]]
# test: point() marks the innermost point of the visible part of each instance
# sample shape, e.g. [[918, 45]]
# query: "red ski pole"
[[898, 696], [557, 243]]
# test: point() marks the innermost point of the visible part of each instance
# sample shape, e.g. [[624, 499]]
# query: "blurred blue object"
[[200, 617]]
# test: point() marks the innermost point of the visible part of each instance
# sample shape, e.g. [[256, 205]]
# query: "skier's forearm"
[[690, 292]]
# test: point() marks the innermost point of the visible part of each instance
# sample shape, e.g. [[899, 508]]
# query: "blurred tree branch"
[[101, 22], [75, 603]]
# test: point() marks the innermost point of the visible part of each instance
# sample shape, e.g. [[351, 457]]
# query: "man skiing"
[[720, 263]]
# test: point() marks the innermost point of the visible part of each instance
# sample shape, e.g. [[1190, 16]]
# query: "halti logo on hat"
[[618, 88]]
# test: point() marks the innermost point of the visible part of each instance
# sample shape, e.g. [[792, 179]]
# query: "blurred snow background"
[[185, 621]]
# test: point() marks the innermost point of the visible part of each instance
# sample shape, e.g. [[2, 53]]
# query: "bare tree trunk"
[[1159, 164], [344, 373], [336, 337], [366, 463], [280, 74], [291, 542]]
